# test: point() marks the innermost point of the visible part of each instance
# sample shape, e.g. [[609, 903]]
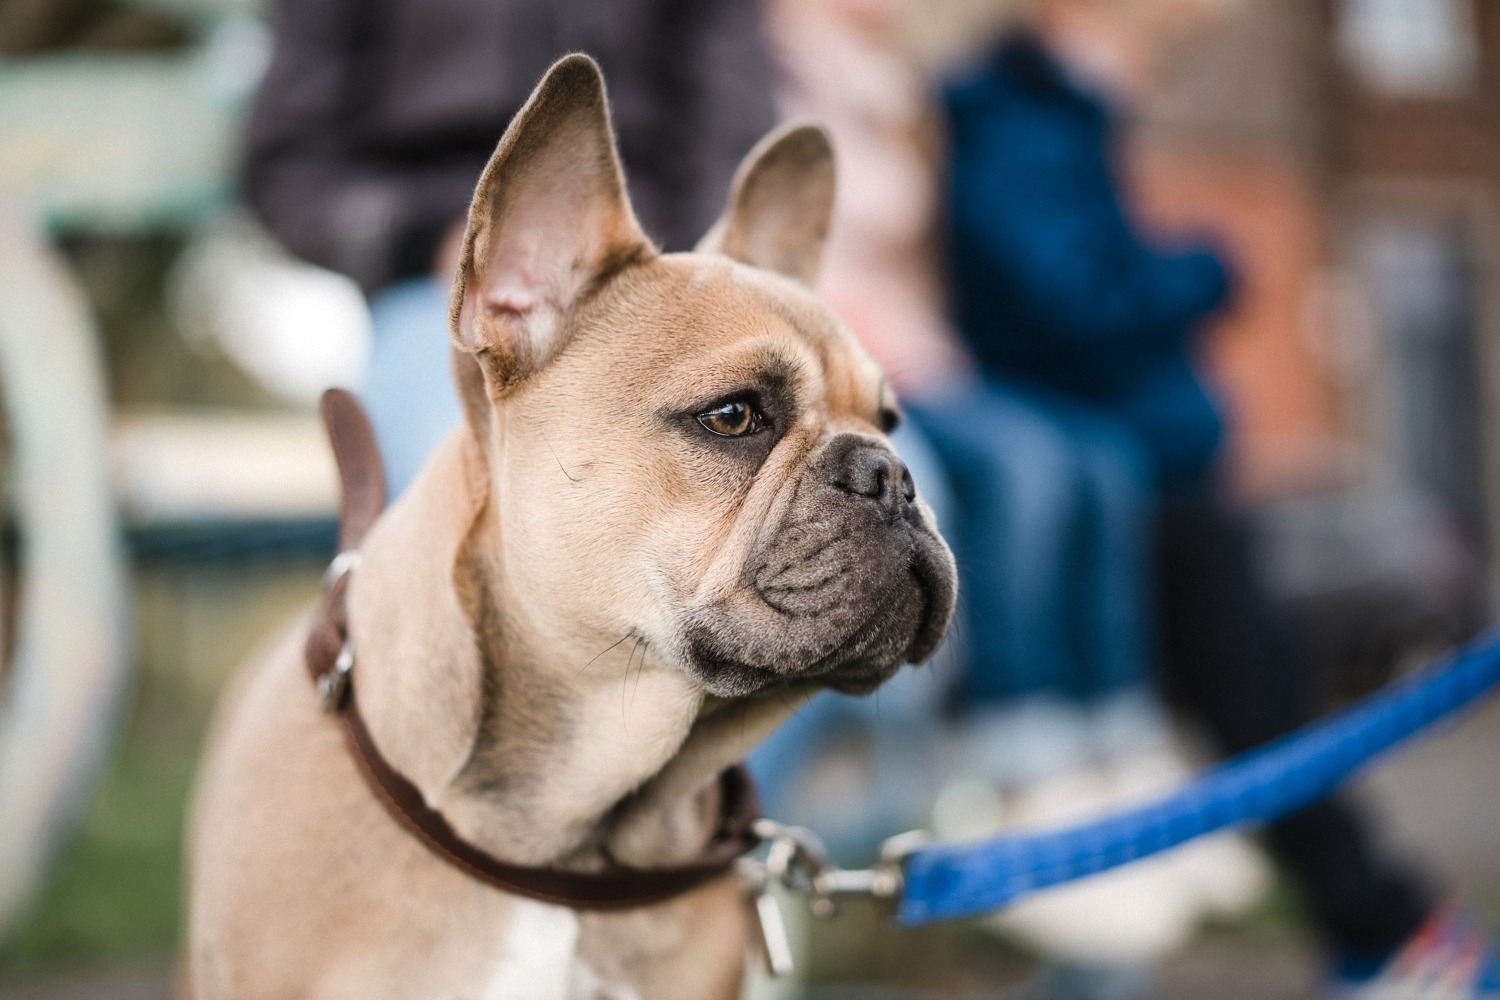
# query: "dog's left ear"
[[550, 219], [780, 205]]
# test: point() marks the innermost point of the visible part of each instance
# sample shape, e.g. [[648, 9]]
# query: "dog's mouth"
[[728, 676], [737, 654]]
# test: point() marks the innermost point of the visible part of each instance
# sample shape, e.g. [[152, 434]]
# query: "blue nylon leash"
[[943, 882]]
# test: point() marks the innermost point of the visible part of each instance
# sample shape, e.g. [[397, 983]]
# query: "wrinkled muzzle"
[[849, 584]]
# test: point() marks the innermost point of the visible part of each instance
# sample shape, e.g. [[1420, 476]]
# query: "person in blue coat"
[[1053, 286], [1059, 292]]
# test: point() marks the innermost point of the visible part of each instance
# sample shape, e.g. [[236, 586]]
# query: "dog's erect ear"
[[550, 219], [780, 205]]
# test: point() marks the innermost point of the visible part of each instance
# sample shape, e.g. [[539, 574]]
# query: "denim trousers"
[[1051, 526], [408, 388], [1231, 660]]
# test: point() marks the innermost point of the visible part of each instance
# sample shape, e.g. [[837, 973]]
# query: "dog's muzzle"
[[853, 583]]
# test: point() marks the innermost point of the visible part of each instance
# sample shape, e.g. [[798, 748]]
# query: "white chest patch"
[[539, 952]]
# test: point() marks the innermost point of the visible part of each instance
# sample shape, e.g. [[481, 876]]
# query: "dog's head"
[[686, 449]]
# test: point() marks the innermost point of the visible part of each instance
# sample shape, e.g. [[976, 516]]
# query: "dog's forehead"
[[709, 313]]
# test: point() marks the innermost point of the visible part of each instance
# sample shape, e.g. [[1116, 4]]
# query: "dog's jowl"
[[670, 511]]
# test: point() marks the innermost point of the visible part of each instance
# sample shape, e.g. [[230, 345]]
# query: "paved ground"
[[1442, 803]]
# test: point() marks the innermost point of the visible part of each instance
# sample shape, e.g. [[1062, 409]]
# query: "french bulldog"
[[670, 513]]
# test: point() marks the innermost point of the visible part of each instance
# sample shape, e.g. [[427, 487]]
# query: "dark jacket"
[[376, 116], [1052, 284]]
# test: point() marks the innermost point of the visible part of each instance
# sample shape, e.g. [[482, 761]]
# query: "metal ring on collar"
[[343, 564]]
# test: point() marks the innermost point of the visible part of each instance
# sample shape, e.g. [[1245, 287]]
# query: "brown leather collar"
[[330, 661]]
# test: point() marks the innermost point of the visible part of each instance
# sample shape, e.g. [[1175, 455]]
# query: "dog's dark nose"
[[876, 473]]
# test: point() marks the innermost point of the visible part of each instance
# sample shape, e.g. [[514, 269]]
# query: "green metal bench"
[[97, 144]]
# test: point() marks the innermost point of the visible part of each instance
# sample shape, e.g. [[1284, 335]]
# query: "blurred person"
[[1057, 288], [1049, 513], [375, 119], [1050, 510], [1055, 500]]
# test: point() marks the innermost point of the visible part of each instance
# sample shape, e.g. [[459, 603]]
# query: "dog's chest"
[[540, 960]]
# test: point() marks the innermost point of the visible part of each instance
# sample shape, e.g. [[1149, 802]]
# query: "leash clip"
[[799, 860]]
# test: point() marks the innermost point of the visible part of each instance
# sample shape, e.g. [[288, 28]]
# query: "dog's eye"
[[890, 419], [735, 418]]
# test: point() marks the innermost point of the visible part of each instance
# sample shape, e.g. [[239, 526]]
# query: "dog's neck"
[[539, 747]]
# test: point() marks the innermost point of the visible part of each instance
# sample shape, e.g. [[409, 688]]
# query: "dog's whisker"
[[807, 697], [781, 696], [645, 648], [571, 478], [625, 679], [606, 649]]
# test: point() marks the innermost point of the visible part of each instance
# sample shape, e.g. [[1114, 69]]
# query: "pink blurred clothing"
[[842, 66]]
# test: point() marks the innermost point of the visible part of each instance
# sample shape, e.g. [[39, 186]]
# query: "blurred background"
[[169, 499]]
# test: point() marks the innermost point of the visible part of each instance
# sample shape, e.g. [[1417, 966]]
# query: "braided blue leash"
[[946, 881]]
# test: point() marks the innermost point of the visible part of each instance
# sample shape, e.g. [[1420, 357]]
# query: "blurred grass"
[[114, 895], [115, 889]]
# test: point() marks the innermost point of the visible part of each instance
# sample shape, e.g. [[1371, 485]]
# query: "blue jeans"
[[408, 388], [1050, 529]]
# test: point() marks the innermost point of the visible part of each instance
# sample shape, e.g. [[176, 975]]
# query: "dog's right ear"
[[780, 205], [550, 219]]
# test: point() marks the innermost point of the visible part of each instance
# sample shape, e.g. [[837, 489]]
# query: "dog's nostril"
[[877, 474]]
